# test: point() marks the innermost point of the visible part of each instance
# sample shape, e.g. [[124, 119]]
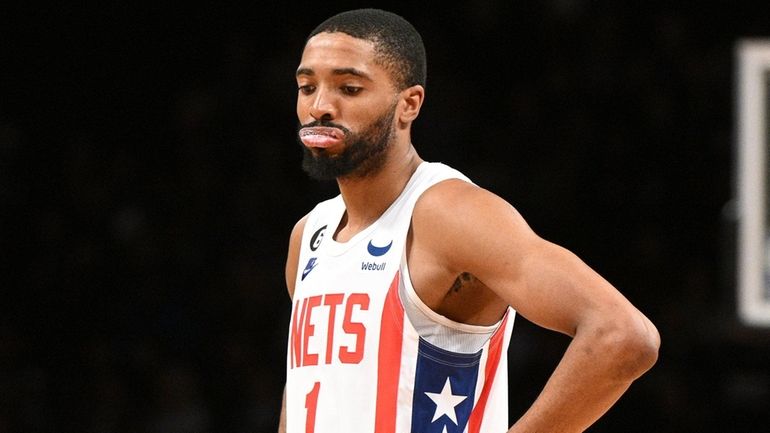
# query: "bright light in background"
[[753, 62]]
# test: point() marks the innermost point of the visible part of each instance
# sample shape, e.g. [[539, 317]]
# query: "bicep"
[[553, 288], [545, 283]]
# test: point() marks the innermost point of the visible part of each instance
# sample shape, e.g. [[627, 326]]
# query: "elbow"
[[633, 347], [645, 347]]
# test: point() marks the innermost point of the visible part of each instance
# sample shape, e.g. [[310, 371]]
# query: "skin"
[[470, 253]]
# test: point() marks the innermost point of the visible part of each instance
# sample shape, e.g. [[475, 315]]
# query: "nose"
[[323, 106]]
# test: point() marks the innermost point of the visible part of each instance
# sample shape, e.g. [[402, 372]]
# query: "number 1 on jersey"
[[311, 404]]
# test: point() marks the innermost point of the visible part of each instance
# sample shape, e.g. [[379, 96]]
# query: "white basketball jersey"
[[365, 355]]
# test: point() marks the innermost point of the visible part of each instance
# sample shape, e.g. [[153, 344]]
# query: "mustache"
[[324, 123]]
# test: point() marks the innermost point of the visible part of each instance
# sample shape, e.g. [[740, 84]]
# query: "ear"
[[409, 104]]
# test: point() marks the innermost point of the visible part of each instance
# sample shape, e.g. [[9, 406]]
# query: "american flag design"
[[435, 390]]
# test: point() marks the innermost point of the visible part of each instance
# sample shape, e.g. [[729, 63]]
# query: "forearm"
[[590, 378]]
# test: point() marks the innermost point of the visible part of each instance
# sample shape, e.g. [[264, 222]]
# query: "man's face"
[[345, 105]]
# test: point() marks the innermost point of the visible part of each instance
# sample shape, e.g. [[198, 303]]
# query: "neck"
[[367, 198]]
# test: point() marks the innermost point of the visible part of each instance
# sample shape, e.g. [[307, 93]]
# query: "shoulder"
[[323, 208], [460, 221], [296, 232], [292, 259], [459, 203]]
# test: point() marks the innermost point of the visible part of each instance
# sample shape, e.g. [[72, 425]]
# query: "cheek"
[[304, 107], [366, 114]]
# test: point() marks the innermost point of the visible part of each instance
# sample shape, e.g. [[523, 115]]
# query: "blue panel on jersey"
[[445, 383]]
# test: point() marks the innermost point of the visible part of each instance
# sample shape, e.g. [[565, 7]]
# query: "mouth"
[[321, 137]]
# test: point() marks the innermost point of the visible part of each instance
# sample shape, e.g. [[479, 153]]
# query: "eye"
[[351, 90], [306, 89]]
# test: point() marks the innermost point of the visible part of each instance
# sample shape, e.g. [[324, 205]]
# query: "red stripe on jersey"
[[493, 360], [389, 360]]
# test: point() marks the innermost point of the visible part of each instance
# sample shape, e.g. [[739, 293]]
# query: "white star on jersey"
[[445, 402]]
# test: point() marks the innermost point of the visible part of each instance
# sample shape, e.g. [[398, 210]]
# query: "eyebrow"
[[338, 71]]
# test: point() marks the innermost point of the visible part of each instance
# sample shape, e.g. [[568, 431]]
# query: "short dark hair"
[[396, 42]]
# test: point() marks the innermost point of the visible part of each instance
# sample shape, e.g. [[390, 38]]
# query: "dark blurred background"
[[149, 179]]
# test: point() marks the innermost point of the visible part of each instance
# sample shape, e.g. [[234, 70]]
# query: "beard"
[[363, 154]]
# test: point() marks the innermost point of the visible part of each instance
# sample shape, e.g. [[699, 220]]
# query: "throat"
[[347, 228], [366, 199]]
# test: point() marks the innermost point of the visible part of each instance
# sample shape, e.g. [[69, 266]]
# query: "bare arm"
[[282, 422], [291, 275], [613, 343]]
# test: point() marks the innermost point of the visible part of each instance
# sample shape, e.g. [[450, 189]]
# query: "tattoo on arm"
[[462, 279]]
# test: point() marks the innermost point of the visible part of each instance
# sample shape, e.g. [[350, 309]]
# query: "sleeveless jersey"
[[365, 355]]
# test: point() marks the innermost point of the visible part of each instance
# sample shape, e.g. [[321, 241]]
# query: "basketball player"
[[405, 286]]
